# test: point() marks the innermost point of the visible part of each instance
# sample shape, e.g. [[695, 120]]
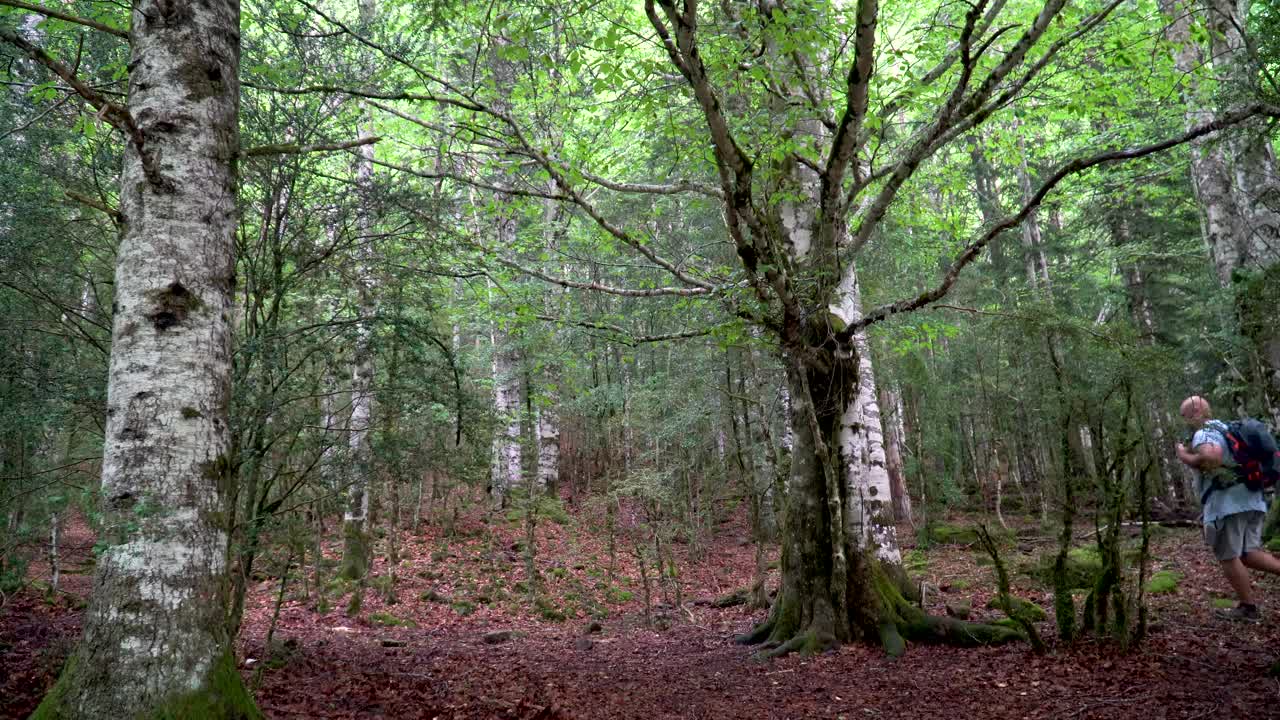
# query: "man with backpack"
[[1233, 466]]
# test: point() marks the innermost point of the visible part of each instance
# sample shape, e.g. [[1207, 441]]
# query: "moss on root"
[[900, 621], [893, 622], [224, 697]]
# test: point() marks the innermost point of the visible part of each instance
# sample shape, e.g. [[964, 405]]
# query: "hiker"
[[1233, 514]]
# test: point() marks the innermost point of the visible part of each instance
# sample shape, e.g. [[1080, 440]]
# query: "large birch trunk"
[[862, 443], [155, 639]]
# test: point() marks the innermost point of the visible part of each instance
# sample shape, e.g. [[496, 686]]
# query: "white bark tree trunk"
[[506, 470], [862, 443], [1032, 240], [356, 552], [55, 567], [549, 412], [155, 638]]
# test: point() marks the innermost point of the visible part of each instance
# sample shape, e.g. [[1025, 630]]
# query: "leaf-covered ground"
[[426, 655]]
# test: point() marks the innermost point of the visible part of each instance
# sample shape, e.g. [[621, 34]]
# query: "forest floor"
[[427, 655]]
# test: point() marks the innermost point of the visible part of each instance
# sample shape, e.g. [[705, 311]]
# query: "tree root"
[[810, 642], [759, 633]]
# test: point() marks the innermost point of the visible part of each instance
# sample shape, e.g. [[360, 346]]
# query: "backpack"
[[1253, 448]]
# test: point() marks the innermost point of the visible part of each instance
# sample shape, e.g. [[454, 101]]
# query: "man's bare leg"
[[1238, 576], [1262, 560]]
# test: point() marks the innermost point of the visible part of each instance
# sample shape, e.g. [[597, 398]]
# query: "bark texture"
[[155, 641]]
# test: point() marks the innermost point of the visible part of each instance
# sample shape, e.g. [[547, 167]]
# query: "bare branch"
[[468, 180], [96, 204], [58, 14], [368, 94], [683, 186], [600, 287], [844, 144], [296, 149], [628, 338], [113, 113]]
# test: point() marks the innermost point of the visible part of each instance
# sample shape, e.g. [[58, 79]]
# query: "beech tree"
[[155, 641]]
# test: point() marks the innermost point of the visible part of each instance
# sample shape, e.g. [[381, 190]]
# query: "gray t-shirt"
[[1229, 500]]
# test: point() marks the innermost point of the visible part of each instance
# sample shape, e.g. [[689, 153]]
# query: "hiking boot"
[[1240, 613]]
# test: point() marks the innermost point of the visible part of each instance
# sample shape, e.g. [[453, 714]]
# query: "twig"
[[296, 149], [49, 12]]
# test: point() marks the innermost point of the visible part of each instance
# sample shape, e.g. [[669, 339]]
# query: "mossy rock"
[[1083, 566], [389, 620], [1164, 581], [464, 608], [1024, 609], [432, 596], [1223, 602]]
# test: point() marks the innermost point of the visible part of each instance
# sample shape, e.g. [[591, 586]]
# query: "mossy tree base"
[[887, 619], [357, 552], [223, 697]]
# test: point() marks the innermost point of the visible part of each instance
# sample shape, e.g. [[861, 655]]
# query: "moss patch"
[[1164, 581], [224, 697], [1083, 566], [947, 534], [1024, 609], [1223, 603], [390, 620]]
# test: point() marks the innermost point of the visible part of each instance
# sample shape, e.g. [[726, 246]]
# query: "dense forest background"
[[624, 269]]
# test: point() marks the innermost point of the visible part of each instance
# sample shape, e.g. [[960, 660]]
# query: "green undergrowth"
[[1164, 581], [1083, 566], [950, 534]]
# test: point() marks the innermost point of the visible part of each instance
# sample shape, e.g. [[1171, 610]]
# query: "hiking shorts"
[[1235, 535]]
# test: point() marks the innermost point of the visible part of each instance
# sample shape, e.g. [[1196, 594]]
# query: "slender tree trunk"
[[357, 551], [894, 432], [155, 640], [1032, 240], [506, 469], [54, 567]]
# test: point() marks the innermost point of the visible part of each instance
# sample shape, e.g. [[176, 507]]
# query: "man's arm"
[[1205, 456]]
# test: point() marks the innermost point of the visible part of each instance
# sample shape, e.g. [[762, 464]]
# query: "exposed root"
[[810, 642], [759, 633]]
